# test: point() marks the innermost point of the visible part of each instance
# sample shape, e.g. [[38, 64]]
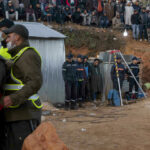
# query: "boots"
[[73, 105], [67, 105]]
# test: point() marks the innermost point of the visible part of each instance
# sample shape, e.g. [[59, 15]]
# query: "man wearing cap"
[[22, 107], [135, 19], [143, 24], [70, 78], [121, 71], [4, 55], [132, 83], [81, 80]]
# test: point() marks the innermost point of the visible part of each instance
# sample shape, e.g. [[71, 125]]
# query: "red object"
[[100, 8], [114, 51], [68, 3]]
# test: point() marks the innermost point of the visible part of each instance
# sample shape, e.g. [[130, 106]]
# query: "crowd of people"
[[83, 80], [100, 13]]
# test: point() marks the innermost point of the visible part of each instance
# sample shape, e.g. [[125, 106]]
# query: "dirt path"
[[107, 128]]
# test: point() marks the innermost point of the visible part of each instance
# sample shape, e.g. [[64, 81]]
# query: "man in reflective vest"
[[21, 101]]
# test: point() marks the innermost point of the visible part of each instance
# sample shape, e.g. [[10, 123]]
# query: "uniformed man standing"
[[87, 68], [132, 83], [81, 80], [121, 71], [21, 101], [70, 78]]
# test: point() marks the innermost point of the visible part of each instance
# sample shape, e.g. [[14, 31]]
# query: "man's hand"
[[7, 101]]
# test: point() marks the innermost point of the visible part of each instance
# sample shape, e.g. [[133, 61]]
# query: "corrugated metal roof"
[[38, 30]]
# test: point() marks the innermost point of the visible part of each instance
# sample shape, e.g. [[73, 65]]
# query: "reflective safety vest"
[[4, 53], [18, 83]]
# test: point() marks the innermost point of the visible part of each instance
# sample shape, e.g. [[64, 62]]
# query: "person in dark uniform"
[[87, 68], [121, 71], [70, 78], [132, 83], [81, 81]]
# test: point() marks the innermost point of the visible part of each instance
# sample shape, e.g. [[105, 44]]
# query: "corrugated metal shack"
[[105, 68], [50, 45]]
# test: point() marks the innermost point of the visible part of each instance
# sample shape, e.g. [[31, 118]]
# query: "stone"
[[44, 138]]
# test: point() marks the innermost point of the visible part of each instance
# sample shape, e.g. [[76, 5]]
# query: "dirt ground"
[[104, 128]]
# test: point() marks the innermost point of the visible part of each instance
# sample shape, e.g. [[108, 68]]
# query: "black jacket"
[[135, 70], [121, 71], [135, 19], [69, 71]]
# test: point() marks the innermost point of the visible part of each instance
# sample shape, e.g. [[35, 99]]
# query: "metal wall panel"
[[53, 56]]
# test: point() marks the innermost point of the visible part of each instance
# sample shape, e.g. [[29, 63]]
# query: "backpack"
[[113, 96]]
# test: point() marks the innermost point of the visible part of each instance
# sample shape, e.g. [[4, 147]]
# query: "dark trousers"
[[2, 133], [104, 23], [143, 31], [87, 89], [81, 91], [133, 84], [70, 91], [17, 131], [115, 84]]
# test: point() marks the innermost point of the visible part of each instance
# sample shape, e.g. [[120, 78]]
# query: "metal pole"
[[133, 75], [117, 74]]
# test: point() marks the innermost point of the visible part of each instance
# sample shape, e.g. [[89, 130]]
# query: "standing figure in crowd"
[[132, 83], [86, 18], [120, 8], [135, 19], [137, 7], [127, 15], [81, 82], [68, 14], [143, 24], [95, 79], [94, 18], [11, 12], [77, 18], [69, 71], [109, 10], [87, 68], [38, 12], [104, 22], [21, 12], [116, 22], [48, 13], [121, 71], [30, 15]]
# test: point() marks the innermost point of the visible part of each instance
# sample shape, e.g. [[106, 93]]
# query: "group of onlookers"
[[119, 14], [82, 80]]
